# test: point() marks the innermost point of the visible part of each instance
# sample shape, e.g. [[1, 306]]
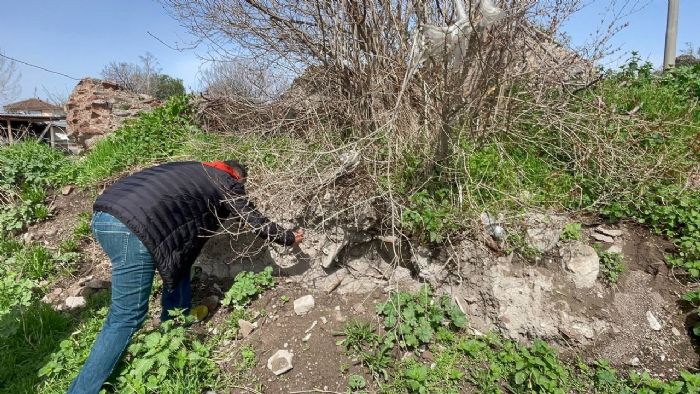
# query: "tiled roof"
[[32, 104]]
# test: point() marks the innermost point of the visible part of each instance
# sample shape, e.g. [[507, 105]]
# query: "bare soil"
[[320, 364]]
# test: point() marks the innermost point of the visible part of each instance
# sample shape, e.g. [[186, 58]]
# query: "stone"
[[98, 284], [602, 238], [654, 323], [280, 362], [675, 331], [97, 108], [634, 361], [245, 328], [312, 326], [75, 290], [338, 315], [359, 308], [609, 232], [75, 302], [211, 302], [66, 190], [581, 262], [543, 230], [306, 337], [616, 248], [304, 304], [331, 251], [27, 237]]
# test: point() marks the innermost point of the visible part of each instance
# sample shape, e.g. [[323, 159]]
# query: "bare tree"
[[242, 80], [9, 80], [136, 78], [149, 71], [404, 66], [127, 75]]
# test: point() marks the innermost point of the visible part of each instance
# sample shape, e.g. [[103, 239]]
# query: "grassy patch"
[[452, 361], [572, 232], [247, 286], [151, 137], [611, 267]]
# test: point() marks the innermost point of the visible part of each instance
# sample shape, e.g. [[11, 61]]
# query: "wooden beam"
[[52, 136], [9, 132], [43, 133]]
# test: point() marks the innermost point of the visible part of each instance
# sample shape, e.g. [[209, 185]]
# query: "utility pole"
[[671, 34]]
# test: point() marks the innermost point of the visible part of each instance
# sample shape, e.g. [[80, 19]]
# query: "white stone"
[[582, 263], [615, 249], [634, 361], [306, 337], [602, 238], [675, 332], [312, 326], [280, 362], [610, 232], [653, 321], [304, 304], [246, 328], [75, 302]]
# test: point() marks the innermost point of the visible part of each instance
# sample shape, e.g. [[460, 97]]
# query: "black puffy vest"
[[174, 208]]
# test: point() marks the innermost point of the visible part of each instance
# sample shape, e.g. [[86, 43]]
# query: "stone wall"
[[95, 108]]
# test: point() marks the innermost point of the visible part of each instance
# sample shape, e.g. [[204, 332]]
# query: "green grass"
[[42, 332], [151, 137], [572, 232], [460, 362], [611, 267]]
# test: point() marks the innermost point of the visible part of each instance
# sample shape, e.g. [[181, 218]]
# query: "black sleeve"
[[262, 226]]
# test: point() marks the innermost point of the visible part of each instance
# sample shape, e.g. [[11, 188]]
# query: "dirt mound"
[[637, 322]]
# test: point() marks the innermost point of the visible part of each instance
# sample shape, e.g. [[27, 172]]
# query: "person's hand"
[[298, 236]]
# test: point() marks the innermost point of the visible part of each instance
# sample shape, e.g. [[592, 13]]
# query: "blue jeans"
[[133, 269]]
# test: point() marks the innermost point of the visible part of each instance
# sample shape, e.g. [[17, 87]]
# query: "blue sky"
[[79, 37]]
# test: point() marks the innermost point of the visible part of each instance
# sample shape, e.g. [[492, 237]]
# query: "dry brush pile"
[[442, 102]]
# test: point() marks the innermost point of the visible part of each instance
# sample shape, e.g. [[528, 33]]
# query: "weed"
[[572, 232], [284, 299], [82, 229], [30, 163], [247, 286], [25, 207], [356, 383], [522, 247], [693, 297], [248, 356], [362, 342], [167, 356], [413, 319], [611, 267], [429, 216]]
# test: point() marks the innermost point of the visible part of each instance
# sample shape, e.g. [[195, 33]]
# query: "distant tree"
[[689, 56], [127, 75], [241, 80], [166, 86], [9, 80], [143, 78]]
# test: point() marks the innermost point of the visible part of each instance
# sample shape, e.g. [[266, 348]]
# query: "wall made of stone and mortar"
[[95, 108]]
